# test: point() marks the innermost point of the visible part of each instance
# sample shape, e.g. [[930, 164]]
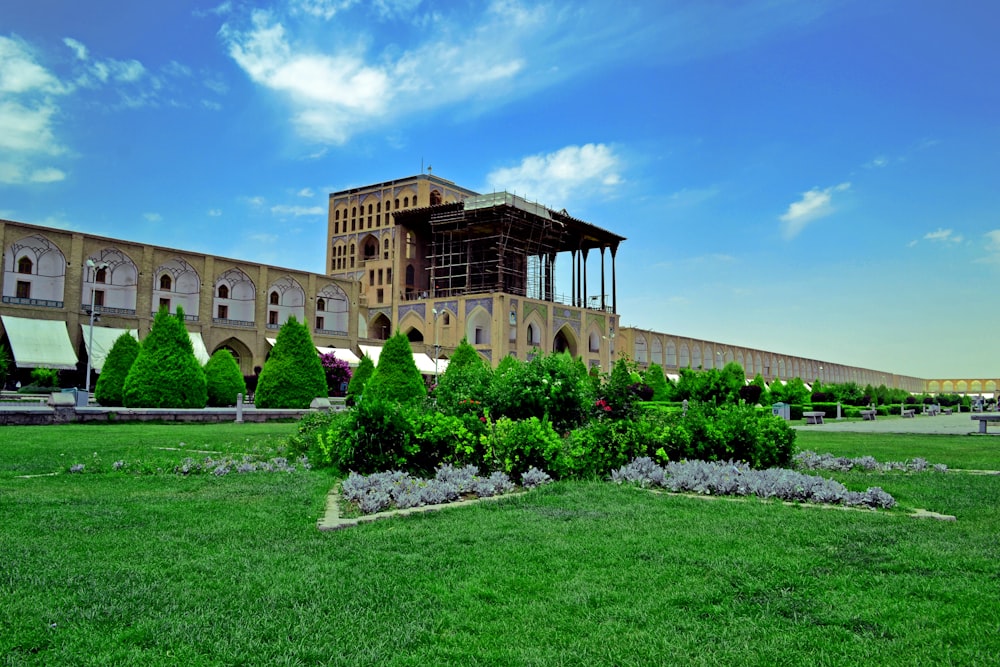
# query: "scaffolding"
[[498, 243]]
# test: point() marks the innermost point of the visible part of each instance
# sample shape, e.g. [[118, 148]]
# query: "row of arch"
[[961, 386], [35, 270]]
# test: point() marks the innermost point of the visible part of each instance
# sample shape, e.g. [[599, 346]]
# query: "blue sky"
[[819, 178]]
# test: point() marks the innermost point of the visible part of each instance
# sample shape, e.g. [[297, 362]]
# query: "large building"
[[53, 279], [420, 255]]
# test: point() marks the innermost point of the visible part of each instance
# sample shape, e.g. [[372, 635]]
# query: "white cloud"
[[215, 212], [557, 178], [993, 241], [297, 211], [877, 162], [79, 50], [333, 93], [306, 192], [813, 205], [943, 236], [211, 105], [20, 73], [152, 217]]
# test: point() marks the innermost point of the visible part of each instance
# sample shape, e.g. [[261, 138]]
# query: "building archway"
[[565, 341], [240, 351], [380, 328]]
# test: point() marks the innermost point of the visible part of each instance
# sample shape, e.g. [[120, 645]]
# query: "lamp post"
[[437, 348], [94, 267]]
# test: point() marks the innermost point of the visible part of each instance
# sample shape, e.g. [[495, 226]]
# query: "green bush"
[[375, 435], [514, 446], [292, 375], [359, 379], [829, 410], [396, 378], [45, 377], [4, 365], [166, 373], [445, 439], [224, 381], [306, 439], [463, 386], [110, 388], [550, 387], [593, 450]]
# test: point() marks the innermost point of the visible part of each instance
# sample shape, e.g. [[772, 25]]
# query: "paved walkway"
[[957, 424]]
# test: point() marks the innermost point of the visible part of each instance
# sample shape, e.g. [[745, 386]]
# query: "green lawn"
[[106, 568]]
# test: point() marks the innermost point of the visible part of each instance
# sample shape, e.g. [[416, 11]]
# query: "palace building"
[[420, 255]]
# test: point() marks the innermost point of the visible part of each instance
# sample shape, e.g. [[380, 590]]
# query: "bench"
[[868, 415], [814, 417], [983, 419], [946, 411], [933, 410], [908, 413]]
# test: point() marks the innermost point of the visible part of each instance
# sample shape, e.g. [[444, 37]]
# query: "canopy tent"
[[373, 352], [40, 343], [200, 351], [104, 340], [341, 353]]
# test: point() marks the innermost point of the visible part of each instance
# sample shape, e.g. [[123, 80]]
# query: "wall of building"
[[135, 284]]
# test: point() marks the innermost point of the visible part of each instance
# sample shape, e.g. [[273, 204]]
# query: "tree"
[[655, 378], [110, 387], [359, 379], [464, 383], [166, 373], [224, 379], [293, 375], [396, 378]]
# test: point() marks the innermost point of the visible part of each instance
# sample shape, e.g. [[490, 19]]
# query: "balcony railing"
[[233, 323], [85, 307], [44, 303], [187, 318]]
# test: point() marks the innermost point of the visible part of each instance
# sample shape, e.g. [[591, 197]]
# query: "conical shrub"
[[110, 385], [224, 379], [293, 375], [166, 373], [396, 377]]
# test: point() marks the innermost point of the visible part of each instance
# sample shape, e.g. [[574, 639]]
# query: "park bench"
[[868, 415], [908, 413], [946, 411], [814, 417], [932, 410], [984, 418]]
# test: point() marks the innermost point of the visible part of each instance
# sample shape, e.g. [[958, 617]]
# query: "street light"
[[94, 317], [437, 348]]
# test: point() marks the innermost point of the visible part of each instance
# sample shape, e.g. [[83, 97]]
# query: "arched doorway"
[[380, 328], [564, 341]]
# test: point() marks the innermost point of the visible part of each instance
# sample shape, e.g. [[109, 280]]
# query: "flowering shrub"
[[549, 387], [515, 446], [738, 479], [338, 373]]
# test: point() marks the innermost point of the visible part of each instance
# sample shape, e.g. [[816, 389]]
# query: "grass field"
[[105, 568]]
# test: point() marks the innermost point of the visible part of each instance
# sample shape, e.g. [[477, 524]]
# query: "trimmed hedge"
[[166, 373], [224, 379], [293, 375], [110, 388], [396, 377]]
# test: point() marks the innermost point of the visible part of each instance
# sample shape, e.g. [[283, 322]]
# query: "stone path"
[[957, 424]]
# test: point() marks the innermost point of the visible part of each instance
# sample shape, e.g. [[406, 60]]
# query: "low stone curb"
[[333, 521]]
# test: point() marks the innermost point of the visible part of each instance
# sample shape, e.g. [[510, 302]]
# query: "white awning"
[[372, 352], [40, 343], [104, 340], [341, 353], [200, 351], [424, 362], [673, 377]]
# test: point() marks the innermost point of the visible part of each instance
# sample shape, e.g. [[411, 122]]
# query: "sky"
[[815, 178]]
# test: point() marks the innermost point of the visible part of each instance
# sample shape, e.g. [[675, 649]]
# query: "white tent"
[[425, 364], [39, 343], [341, 353]]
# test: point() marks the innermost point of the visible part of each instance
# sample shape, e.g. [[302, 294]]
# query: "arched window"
[[371, 250], [102, 275], [165, 282], [274, 298], [369, 209], [320, 304], [385, 249], [406, 202], [336, 214], [24, 265], [223, 292], [396, 205], [409, 274], [354, 211], [378, 207], [435, 197]]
